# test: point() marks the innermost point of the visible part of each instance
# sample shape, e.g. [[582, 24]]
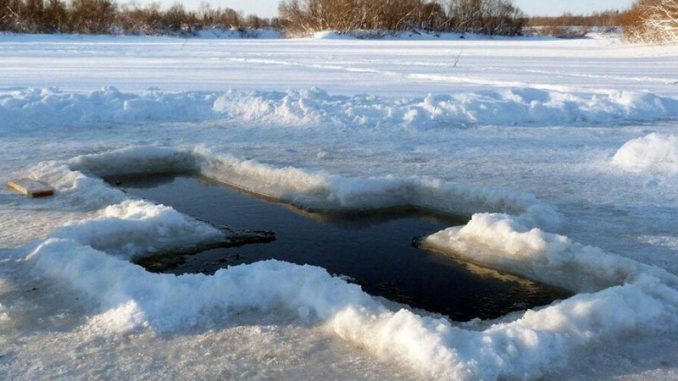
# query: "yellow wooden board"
[[31, 188]]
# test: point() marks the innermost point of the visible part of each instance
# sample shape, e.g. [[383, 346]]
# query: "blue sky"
[[267, 8]]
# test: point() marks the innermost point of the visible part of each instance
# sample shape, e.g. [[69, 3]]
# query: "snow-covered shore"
[[563, 151]]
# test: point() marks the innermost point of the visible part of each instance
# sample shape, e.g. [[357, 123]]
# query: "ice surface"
[[561, 150]]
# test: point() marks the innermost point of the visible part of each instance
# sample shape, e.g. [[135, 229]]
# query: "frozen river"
[[564, 151]]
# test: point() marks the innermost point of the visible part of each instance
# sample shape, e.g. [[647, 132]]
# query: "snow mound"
[[4, 316], [32, 107], [28, 107], [136, 228], [331, 35], [504, 242], [653, 153]]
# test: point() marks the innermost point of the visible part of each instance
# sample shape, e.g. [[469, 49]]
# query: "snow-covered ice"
[[564, 152]]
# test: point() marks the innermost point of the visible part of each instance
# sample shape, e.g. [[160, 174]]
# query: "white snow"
[[27, 108], [652, 153], [524, 135], [501, 241], [134, 228]]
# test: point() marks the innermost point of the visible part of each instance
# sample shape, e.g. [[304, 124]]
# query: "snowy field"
[[564, 151]]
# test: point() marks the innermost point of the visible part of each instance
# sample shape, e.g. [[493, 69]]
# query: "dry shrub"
[[652, 21]]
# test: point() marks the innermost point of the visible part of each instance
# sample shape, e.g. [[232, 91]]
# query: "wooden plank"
[[31, 188]]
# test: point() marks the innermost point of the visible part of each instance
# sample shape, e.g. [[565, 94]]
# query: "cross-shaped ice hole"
[[373, 249]]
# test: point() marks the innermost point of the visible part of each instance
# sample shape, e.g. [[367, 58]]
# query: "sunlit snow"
[[564, 152]]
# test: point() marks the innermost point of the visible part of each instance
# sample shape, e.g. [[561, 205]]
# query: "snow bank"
[[413, 35], [652, 153], [132, 298], [74, 188], [236, 33], [137, 228], [496, 107], [525, 348], [205, 33], [137, 160], [78, 181], [504, 242], [321, 191], [24, 108]]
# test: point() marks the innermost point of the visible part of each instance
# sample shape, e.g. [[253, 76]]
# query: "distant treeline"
[[607, 18], [647, 20], [492, 17], [105, 17], [574, 26]]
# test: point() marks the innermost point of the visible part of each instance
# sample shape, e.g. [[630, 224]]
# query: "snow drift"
[[656, 153], [25, 107]]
